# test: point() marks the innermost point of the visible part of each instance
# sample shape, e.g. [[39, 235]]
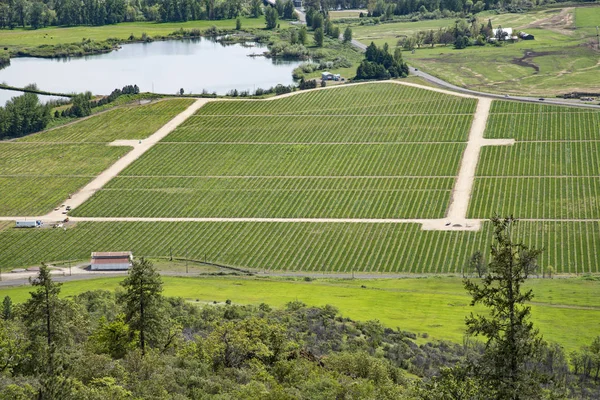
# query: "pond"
[[160, 67]]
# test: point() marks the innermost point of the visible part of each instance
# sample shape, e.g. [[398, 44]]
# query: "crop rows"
[[516, 107], [299, 160], [537, 198], [274, 198], [351, 129], [136, 122], [541, 159], [570, 246], [32, 196], [374, 99], [545, 126], [56, 159]]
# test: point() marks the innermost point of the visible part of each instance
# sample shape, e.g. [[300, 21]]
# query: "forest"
[[135, 343]]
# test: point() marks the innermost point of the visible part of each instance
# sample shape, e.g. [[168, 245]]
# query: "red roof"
[[112, 254]]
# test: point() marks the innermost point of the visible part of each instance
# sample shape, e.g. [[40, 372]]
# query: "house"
[[298, 3], [111, 261], [526, 36], [328, 76], [503, 33]]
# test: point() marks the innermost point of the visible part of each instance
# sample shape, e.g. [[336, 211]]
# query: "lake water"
[[160, 67], [6, 95]]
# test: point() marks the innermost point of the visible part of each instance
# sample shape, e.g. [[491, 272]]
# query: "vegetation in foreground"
[[138, 344]]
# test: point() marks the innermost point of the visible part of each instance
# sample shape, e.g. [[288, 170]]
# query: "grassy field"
[[317, 162], [567, 311], [19, 37], [560, 59], [38, 172], [570, 247], [551, 172]]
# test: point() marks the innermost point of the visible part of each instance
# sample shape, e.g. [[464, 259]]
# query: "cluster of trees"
[[23, 115], [464, 33], [83, 103], [41, 13], [136, 343], [380, 64]]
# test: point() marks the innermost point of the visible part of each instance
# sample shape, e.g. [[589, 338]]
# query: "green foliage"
[[302, 34], [271, 16], [318, 37], [380, 64], [7, 311], [22, 115], [347, 35], [142, 300], [238, 24], [113, 338], [511, 340]]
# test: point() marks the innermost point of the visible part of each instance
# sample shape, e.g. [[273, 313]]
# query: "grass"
[[38, 172], [567, 311], [571, 247], [561, 53], [19, 37]]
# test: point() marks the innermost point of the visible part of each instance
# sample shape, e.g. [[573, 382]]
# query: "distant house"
[[111, 261], [501, 33], [297, 3], [526, 36], [328, 76]]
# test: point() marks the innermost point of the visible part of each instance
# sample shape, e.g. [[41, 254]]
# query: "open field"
[[567, 311], [550, 173], [38, 172], [301, 166], [570, 247], [560, 59], [19, 37]]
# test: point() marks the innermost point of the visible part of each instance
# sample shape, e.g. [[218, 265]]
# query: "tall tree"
[[7, 312], [271, 16], [512, 341], [142, 299], [347, 35], [318, 36]]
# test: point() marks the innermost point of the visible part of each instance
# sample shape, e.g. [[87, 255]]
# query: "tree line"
[[380, 64], [135, 343], [23, 115]]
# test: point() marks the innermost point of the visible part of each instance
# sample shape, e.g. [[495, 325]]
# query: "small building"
[[526, 36], [111, 261], [298, 3], [28, 224], [328, 76]]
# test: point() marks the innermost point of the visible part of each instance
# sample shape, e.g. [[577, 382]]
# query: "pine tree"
[[142, 300]]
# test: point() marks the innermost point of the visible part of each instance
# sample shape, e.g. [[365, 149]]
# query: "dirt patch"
[[527, 59], [560, 21]]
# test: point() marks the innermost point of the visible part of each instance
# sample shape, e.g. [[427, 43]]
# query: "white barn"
[[111, 261]]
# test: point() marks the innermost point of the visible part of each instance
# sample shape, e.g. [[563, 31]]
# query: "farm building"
[[526, 36], [502, 33], [111, 261], [328, 76]]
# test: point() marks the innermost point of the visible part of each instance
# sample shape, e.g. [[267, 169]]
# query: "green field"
[[38, 172], [331, 158], [553, 170], [566, 311], [560, 59], [19, 37], [570, 247]]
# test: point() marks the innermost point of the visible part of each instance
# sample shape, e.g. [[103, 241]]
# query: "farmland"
[[306, 164], [550, 173], [39, 171], [433, 306], [570, 247]]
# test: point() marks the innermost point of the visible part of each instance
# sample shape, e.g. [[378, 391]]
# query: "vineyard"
[[550, 173], [136, 122], [570, 247], [339, 161], [38, 172]]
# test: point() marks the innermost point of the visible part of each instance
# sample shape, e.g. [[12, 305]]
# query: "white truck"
[[28, 224]]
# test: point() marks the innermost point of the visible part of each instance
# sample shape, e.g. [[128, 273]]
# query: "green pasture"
[[370, 247], [38, 172], [19, 37], [559, 60], [567, 311], [346, 14]]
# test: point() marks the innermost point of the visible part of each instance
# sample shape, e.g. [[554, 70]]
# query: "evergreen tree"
[[271, 17], [142, 300], [7, 312], [302, 35], [512, 341], [347, 35], [318, 36]]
